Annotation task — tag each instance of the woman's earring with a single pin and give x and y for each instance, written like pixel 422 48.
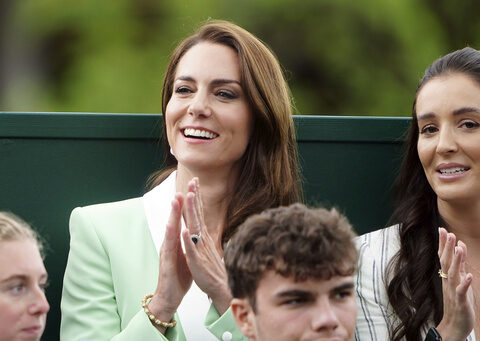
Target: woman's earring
pixel 171 151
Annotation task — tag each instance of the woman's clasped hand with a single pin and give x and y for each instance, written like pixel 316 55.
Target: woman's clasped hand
pixel 201 261
pixel 204 258
pixel 174 277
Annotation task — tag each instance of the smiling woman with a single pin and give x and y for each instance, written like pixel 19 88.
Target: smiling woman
pixel 23 306
pixel 208 117
pixel 415 279
pixel 227 125
pixel 448 111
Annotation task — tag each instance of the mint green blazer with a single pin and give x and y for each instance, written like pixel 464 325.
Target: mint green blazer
pixel 111 265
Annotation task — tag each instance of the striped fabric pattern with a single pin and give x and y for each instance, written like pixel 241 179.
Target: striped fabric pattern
pixel 375 316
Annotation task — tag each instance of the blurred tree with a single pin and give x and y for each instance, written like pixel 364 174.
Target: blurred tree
pixel 459 21
pixel 340 57
pixel 350 58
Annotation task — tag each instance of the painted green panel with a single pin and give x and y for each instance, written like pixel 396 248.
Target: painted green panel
pixel 53 162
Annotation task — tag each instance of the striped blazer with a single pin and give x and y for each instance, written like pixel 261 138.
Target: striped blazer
pixel 375 316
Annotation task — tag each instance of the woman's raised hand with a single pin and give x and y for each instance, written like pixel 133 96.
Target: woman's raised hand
pixel 203 258
pixel 458 302
pixel 174 277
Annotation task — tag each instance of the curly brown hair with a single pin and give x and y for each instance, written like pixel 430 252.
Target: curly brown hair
pixel 294 241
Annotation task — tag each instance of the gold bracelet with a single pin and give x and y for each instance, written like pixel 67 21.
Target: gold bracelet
pixel 152 317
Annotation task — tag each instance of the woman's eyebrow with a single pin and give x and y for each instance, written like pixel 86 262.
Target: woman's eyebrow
pixel 217 81
pixel 13 277
pixel 185 78
pixel 426 116
pixel 220 81
pixel 456 112
pixel 466 110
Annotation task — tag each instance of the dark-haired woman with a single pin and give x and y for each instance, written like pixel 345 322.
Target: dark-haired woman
pixel 229 128
pixel 417 281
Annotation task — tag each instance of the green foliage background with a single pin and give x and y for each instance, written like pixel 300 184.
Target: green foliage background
pixel 341 57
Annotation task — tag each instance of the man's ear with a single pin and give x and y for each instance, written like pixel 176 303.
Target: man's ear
pixel 244 317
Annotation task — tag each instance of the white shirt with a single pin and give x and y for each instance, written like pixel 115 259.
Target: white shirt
pixel 195 304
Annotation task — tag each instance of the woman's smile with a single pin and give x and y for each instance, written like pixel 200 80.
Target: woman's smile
pixel 199 133
pixel 451 171
pixel 448 112
pixel 208 117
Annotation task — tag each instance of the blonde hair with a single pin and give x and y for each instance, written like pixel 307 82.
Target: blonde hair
pixel 14 228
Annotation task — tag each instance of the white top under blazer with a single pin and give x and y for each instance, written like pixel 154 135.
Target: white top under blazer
pixel 195 303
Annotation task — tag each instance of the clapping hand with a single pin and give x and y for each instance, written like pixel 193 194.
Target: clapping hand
pixel 458 302
pixel 203 257
pixel 174 277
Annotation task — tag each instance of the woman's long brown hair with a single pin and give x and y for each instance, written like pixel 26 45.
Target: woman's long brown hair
pixel 415 290
pixel 269 175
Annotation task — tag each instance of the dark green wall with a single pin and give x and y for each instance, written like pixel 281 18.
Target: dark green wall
pixel 53 162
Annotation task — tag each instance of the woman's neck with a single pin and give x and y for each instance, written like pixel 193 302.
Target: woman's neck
pixel 216 188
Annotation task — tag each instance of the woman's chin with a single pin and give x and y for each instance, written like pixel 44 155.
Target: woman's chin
pixel 457 197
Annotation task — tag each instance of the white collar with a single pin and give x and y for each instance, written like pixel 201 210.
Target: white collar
pixel 195 304
pixel 157 204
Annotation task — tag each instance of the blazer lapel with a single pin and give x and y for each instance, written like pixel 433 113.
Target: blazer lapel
pixel 157 205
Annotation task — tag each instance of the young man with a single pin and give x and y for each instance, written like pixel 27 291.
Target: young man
pixel 290 270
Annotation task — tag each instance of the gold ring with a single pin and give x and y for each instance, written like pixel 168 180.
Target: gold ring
pixel 442 274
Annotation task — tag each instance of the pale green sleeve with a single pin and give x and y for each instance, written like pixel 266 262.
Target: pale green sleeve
pixel 89 309
pixel 219 325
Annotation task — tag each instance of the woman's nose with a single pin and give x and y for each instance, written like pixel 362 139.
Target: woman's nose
pixel 446 141
pixel 199 105
pixel 40 304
